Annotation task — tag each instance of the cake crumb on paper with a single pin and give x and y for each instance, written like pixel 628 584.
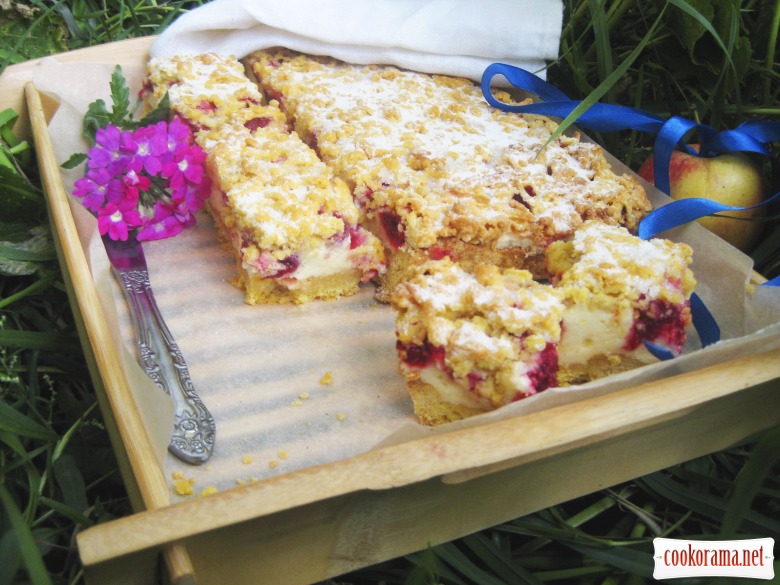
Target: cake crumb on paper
pixel 183 486
pixel 210 490
pixel 246 481
pixel 327 378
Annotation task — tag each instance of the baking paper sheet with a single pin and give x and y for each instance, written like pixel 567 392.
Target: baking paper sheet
pixel 263 370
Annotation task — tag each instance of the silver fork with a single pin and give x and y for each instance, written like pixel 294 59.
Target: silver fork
pixel 194 428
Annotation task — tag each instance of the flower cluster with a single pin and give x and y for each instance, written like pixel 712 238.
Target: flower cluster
pixel 150 181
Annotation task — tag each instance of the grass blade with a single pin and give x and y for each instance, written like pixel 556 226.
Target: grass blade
pixel 499 561
pixel 15 422
pixel 31 555
pixel 40 340
pixel 632 561
pixel 749 480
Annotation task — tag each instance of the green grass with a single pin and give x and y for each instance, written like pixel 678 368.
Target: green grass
pixel 58 474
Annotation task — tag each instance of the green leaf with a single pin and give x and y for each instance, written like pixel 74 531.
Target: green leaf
pixel 13 421
pixel 687 29
pixel 606 85
pixel 499 560
pixel 161 112
pixel 632 561
pixel 18 258
pixel 27 38
pixel 707 505
pixel 67 511
pixel 450 554
pixel 74 160
pixel 9 556
pixel 96 117
pixel 120 97
pixel 18 198
pixel 71 483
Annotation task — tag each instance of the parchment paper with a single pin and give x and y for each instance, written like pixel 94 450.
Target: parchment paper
pixel 260 369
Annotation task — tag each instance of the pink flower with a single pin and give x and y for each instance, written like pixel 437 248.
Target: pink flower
pixel 97 186
pixel 186 167
pixel 134 183
pixel 128 172
pixel 179 136
pixel 162 225
pixel 116 219
pixel 151 143
pixel 109 151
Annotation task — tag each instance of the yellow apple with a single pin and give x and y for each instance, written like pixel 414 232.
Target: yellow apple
pixel 732 179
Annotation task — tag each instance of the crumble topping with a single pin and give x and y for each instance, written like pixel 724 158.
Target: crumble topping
pixel 205 89
pixel 278 190
pixel 486 329
pixel 280 206
pixel 433 152
pixel 608 260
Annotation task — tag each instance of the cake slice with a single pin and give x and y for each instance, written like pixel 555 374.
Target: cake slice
pixel 620 291
pixel 437 172
pixel 291 224
pixel 471 342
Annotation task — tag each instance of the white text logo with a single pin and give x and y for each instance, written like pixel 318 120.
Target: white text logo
pixel 722 558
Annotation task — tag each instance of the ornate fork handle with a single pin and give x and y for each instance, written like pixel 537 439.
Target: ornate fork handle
pixel 194 427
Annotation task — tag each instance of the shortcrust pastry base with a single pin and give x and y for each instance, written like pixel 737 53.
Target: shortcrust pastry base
pixel 431 410
pixel 258 290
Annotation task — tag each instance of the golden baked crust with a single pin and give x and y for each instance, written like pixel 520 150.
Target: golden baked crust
pixel 491 333
pixel 472 341
pixel 428 152
pixel 206 89
pixel 292 224
pixel 630 291
pixel 610 261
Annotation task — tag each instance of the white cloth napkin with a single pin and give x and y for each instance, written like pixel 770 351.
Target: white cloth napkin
pixel 453 37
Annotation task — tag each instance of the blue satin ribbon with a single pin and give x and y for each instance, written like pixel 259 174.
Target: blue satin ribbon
pixel 750 136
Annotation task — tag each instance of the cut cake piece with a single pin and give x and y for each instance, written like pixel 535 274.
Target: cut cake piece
pixel 470 343
pixel 436 171
pixel 619 291
pixel 291 224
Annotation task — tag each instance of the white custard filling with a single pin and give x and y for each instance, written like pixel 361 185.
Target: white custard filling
pixel 449 391
pixel 325 260
pixel 589 332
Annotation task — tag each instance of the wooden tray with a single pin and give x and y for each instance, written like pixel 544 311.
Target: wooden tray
pixel 322 521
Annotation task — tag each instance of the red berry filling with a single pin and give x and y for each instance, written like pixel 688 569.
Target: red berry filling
pixel 420 356
pixel 255 123
pixel 290 265
pixel 544 374
pixel 661 322
pixel 269 267
pixel 437 253
pixel 521 199
pixel 275 95
pixel 391 228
